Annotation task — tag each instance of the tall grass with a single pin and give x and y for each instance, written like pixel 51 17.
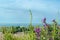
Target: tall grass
pixel 42 33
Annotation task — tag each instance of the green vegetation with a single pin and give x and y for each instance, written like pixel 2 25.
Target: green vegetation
pixel 32 33
pixel 46 32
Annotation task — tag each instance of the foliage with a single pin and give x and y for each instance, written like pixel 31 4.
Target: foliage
pixel 47 32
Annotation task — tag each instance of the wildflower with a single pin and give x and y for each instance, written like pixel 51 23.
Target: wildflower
pixel 44 20
pixel 37 31
pixel 44 23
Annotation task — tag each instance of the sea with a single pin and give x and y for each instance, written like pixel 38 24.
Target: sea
pixel 22 24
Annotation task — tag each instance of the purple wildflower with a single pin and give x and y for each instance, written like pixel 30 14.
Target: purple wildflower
pixel 44 20
pixel 45 24
pixel 37 31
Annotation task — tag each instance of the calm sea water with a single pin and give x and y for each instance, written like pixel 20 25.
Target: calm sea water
pixel 19 24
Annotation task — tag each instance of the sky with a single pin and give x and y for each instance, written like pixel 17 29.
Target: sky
pixel 17 11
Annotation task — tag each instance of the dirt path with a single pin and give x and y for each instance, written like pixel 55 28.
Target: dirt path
pixel 19 34
pixel 1 36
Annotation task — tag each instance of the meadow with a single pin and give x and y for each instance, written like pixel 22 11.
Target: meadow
pixel 45 32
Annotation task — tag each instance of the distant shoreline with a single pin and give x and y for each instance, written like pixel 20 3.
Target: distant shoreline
pixel 22 24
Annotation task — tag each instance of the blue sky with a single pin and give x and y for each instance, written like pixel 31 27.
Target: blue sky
pixel 17 11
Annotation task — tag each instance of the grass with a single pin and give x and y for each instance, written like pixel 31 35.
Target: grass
pixel 46 33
